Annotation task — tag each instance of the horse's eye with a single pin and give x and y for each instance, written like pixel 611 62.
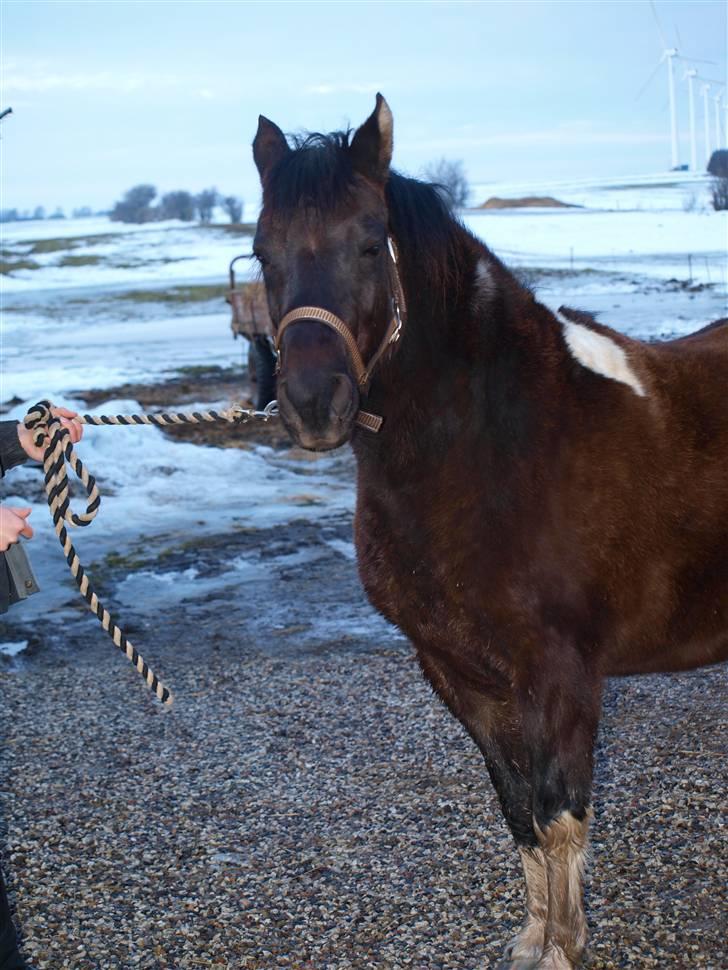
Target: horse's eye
pixel 260 257
pixel 372 250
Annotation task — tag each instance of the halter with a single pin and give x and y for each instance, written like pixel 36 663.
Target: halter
pixel 362 372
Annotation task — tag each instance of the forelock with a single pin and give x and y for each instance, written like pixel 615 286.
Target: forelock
pixel 317 174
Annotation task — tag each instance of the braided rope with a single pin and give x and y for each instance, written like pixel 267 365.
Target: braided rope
pixel 50 434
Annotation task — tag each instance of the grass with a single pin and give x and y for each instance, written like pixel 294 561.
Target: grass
pixel 118 560
pixel 8 266
pixel 235 229
pixel 81 260
pixel 175 294
pixel 40 246
pixel 561 272
pixel 640 185
pixel 206 370
pixel 137 263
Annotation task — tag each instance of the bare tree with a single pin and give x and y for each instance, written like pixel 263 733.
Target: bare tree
pixel 719 194
pixel 449 177
pixel 205 202
pixel 718 164
pixel 178 205
pixel 135 205
pixel 233 206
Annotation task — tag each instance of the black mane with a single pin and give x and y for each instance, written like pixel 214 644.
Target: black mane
pixel 318 174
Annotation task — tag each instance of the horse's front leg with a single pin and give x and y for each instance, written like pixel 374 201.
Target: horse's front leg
pixel 560 721
pixel 526 948
pixel 495 724
pixel 563 844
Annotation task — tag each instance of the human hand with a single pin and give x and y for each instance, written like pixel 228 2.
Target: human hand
pixel 13 525
pixel 69 419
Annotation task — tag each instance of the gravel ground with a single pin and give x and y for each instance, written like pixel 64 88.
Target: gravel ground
pixel 318 808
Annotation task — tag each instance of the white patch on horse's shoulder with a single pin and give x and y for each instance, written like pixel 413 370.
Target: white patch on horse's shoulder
pixel 485 285
pixel 600 354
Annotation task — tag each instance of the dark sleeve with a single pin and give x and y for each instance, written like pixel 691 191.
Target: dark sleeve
pixel 11 453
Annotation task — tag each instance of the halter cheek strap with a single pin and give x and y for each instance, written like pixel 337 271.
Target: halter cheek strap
pixel 362 371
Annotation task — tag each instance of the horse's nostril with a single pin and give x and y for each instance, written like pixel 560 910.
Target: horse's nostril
pixel 342 396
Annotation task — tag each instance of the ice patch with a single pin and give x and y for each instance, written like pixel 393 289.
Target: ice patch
pixel 346 549
pixel 11 648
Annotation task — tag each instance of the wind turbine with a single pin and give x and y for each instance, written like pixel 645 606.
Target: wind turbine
pixel 669 55
pixel 706 119
pixel 716 104
pixel 690 74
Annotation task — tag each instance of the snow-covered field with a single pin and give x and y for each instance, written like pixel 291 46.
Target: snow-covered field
pixel 68 323
pixel 96 252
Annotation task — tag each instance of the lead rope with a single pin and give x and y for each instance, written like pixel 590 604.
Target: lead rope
pixel 49 433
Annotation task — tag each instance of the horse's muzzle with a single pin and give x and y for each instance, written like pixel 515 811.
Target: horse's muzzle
pixel 318 410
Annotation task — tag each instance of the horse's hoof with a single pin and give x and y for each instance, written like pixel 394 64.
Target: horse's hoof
pixel 518 964
pixel 554 958
pixel 525 949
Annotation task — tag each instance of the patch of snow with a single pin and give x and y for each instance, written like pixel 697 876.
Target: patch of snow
pixel 662 190
pixel 11 648
pixel 650 244
pixel 344 548
pixel 140 255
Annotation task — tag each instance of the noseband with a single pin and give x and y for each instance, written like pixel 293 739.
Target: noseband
pixel 362 371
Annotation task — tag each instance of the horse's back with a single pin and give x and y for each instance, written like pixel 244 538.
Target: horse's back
pixel 691 372
pixel 713 335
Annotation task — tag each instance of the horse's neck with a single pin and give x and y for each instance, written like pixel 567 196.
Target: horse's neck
pixel 464 371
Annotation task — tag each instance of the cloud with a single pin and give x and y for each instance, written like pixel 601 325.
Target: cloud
pixel 572 134
pixel 349 88
pixel 38 79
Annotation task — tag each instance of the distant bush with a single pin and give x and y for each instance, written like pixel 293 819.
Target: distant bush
pixel 450 178
pixel 177 205
pixel 719 194
pixel 718 164
pixel 206 202
pixel 233 206
pixel 136 205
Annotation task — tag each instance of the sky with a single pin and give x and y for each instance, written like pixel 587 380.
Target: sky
pixel 109 94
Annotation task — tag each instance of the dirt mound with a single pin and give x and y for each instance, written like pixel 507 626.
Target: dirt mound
pixel 527 202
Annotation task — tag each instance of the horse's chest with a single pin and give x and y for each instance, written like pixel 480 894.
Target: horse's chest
pixel 419 570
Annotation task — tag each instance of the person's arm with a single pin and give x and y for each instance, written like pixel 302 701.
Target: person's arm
pixel 16 441
pixel 11 450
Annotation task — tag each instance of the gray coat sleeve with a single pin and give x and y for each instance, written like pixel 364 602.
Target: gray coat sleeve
pixel 11 453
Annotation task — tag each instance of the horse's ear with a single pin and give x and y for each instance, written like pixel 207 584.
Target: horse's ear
pixel 269 147
pixel 371 146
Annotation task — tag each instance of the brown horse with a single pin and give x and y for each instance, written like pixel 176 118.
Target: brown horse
pixel 542 502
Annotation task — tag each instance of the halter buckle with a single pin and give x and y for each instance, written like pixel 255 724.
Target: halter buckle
pixel 397 332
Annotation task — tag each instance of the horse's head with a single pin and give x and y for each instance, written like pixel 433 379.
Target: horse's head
pixel 322 241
